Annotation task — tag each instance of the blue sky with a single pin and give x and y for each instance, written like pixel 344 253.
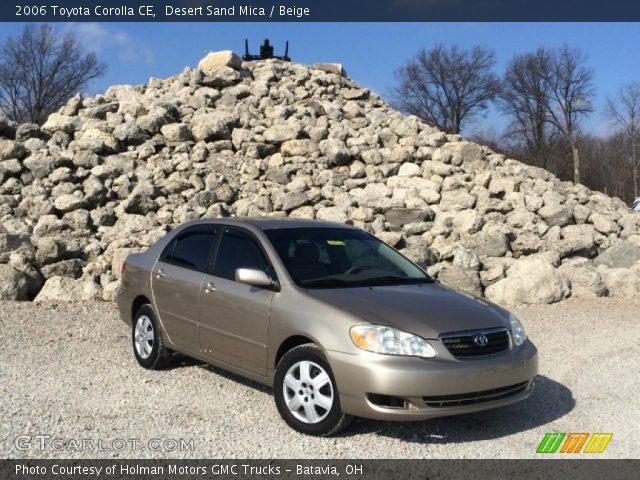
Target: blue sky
pixel 369 52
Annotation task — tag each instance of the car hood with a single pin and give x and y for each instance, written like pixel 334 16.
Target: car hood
pixel 426 310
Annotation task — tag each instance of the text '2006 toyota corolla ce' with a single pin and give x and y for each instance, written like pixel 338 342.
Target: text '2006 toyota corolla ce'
pixel 338 322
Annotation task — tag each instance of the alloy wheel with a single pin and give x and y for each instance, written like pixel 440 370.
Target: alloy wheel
pixel 144 337
pixel 308 392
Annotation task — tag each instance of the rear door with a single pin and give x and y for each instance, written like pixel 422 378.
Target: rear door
pixel 234 317
pixel 176 280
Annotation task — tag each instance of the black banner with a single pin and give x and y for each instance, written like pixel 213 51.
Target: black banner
pixel 317 10
pixel 581 469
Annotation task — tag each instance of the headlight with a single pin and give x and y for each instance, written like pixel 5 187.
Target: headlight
pixel 389 341
pixel 517 330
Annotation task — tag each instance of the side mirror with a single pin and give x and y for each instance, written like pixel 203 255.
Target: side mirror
pixel 256 278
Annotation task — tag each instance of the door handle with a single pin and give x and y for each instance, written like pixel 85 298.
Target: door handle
pixel 209 287
pixel 160 274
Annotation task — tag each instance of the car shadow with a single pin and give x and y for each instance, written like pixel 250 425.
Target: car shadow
pixel 182 361
pixel 549 401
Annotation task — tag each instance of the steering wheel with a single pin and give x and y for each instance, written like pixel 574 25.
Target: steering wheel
pixel 357 269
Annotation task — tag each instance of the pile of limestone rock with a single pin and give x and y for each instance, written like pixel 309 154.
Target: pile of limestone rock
pixel 109 175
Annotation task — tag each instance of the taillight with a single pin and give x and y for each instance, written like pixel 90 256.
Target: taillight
pixel 124 267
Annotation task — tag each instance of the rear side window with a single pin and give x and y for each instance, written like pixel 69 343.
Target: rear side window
pixel 191 249
pixel 238 250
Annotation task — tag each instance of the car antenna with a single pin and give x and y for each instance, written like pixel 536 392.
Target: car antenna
pixel 266 52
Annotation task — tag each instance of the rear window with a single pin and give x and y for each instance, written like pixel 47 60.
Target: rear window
pixel 191 249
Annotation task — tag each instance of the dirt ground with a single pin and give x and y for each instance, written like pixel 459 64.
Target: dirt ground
pixel 67 371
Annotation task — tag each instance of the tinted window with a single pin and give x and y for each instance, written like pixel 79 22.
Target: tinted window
pixel 238 250
pixel 191 249
pixel 340 257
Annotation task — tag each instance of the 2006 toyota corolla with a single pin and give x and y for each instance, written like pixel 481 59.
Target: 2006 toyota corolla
pixel 338 322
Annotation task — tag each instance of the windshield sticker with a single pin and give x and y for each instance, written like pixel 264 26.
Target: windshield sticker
pixel 336 243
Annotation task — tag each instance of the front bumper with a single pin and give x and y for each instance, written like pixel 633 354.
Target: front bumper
pixel 463 386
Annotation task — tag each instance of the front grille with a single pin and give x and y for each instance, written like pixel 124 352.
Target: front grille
pixel 464 344
pixel 461 399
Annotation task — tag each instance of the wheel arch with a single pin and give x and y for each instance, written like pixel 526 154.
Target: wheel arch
pixel 138 302
pixel 290 343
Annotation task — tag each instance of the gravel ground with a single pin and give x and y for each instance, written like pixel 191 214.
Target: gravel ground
pixel 68 371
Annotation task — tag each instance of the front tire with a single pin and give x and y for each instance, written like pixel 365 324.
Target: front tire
pixel 148 346
pixel 305 393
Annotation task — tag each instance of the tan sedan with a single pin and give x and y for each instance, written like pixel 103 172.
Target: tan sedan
pixel 337 322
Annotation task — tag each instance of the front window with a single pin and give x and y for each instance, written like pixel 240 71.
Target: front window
pixel 238 250
pixel 341 257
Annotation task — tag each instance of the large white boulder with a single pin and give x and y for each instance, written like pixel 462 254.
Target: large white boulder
pixel 529 281
pixel 65 289
pixel 217 60
pixel 621 282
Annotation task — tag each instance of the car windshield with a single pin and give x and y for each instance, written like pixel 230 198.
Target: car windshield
pixel 341 257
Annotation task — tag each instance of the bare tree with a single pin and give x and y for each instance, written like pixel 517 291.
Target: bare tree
pixel 446 87
pixel 524 98
pixel 624 112
pixel 488 137
pixel 611 177
pixel 570 84
pixel 40 70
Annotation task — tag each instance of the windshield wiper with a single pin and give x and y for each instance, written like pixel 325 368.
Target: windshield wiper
pixel 395 280
pixel 326 282
pixel 373 281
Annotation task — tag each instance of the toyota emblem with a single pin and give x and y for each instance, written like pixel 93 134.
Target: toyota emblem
pixel 481 340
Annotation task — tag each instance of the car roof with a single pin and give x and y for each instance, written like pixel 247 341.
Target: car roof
pixel 272 223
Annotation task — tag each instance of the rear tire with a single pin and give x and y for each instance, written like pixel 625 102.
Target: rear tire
pixel 305 393
pixel 148 346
